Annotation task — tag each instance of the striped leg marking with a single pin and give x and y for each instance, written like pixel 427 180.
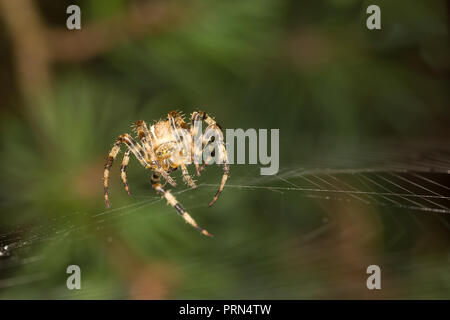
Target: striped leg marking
pixel 137 150
pixel 109 161
pixel 134 147
pixel 211 151
pixel 187 178
pixel 226 171
pixel 196 152
pixel 175 204
pixel 176 122
pixel 212 125
pixel 123 170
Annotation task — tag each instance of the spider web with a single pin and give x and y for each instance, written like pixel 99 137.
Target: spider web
pixel 418 185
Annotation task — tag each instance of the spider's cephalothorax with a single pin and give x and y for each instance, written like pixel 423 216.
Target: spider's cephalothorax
pixel 167 145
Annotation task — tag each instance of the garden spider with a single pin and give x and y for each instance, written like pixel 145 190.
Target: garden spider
pixel 170 144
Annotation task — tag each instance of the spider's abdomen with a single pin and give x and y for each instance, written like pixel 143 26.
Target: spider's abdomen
pixel 161 132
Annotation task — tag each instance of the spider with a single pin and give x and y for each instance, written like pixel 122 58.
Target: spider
pixel 169 144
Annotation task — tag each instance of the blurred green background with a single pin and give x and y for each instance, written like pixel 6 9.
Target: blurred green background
pixel 310 68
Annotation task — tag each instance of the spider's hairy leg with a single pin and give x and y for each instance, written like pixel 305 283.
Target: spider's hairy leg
pixel 176 120
pixel 133 147
pixel 136 148
pixel 181 133
pixel 208 148
pixel 226 171
pixel 147 141
pixel 196 152
pixel 123 170
pixel 186 177
pixel 145 137
pixel 175 204
pixel 109 161
pixel 214 127
pixel 211 154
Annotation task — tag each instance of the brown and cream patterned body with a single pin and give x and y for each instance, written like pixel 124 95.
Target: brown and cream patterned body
pixel 165 146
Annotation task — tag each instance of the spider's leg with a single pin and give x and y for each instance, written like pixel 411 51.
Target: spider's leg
pixel 136 148
pixel 212 125
pixel 186 177
pixel 174 203
pixel 176 122
pixel 176 118
pixel 196 152
pixel 198 155
pixel 133 147
pixel 211 154
pixel 112 155
pixel 147 142
pixel 123 170
pixel 226 170
pixel 208 146
pixel 181 133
